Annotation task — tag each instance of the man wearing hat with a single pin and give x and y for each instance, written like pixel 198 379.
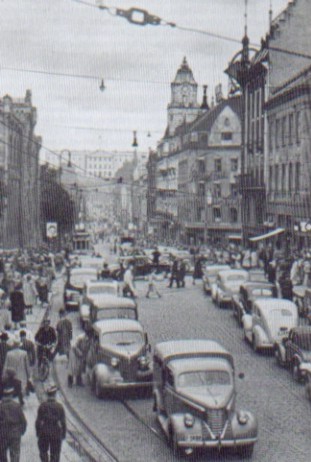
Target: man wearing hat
pixel 4 348
pixel 13 425
pixel 50 427
pixel 64 334
pixel 17 359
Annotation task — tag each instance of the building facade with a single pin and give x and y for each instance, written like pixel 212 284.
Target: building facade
pixel 19 165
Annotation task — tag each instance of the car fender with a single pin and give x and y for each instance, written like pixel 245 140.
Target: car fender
pixel 247 430
pixel 282 350
pixel 247 321
pixel 176 423
pixel 260 335
pixel 103 373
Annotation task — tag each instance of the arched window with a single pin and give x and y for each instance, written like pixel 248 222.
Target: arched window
pixel 233 215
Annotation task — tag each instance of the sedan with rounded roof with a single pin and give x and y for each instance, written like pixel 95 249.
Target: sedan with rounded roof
pixel 210 273
pixel 228 284
pixel 194 397
pixel 76 279
pixel 119 356
pixel 269 322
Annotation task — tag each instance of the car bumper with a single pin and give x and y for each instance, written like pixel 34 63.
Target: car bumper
pixel 144 379
pixel 217 443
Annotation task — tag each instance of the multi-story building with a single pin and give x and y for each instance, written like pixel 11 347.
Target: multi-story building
pixel 209 162
pixel 275 85
pixel 19 164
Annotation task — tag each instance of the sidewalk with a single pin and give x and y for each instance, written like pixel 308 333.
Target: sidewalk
pixel 29 448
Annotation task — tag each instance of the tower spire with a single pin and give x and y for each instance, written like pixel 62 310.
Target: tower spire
pixel 245 18
pixel 270 14
pixel 204 104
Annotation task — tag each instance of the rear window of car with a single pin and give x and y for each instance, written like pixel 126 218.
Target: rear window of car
pixel 102 290
pixel 262 292
pixel 281 312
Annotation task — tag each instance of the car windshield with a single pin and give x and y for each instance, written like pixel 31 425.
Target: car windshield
pixel 304 341
pixel 235 277
pixel 203 378
pixel 262 293
pixel 122 338
pixel 98 290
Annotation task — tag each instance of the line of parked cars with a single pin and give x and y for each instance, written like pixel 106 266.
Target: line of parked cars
pixel 269 323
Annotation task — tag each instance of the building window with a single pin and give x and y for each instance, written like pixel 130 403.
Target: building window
pixel 297 127
pixel 233 190
pixel 226 136
pixel 217 213
pixel 201 189
pixel 297 180
pixel 234 164
pixel 284 131
pixel 201 166
pixel 276 178
pixel 203 138
pixel 270 128
pixel 290 178
pixel 233 215
pixel 217 190
pixel 271 178
pixel 277 132
pixel 283 181
pixel 217 163
pixel 290 128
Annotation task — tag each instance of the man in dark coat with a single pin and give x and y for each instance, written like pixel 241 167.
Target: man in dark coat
pixel 4 348
pixel 13 425
pixel 17 305
pixel 11 381
pixel 50 427
pixel 64 334
pixel 174 274
pixel 45 337
pixel 29 347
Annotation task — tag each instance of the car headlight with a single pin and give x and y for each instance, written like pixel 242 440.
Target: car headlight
pixel 189 420
pixel 114 362
pixel 242 418
pixel 143 362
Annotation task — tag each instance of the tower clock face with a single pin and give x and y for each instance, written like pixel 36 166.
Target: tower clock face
pixel 185 90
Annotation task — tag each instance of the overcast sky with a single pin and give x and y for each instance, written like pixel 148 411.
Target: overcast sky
pixel 137 63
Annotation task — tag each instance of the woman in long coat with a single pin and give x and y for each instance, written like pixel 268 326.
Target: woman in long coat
pixel 17 305
pixel 30 293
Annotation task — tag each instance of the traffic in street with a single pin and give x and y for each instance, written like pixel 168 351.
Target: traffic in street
pixel 126 422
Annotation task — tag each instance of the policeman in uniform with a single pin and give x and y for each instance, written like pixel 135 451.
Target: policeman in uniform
pixel 50 427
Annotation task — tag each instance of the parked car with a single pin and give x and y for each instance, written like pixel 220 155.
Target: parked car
pixel 305 369
pixel 194 397
pixel 74 286
pixel 294 351
pixel 93 292
pixel 119 356
pixel 249 292
pixel 228 284
pixel 269 322
pixel 210 273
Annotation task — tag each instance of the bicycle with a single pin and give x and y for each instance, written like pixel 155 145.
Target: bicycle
pixel 46 358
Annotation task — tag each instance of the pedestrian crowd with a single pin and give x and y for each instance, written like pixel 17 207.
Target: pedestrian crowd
pixel 25 282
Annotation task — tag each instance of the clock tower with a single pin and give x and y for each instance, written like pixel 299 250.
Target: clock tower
pixel 183 106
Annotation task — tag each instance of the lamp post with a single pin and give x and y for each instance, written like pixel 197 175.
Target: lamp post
pixel 64 151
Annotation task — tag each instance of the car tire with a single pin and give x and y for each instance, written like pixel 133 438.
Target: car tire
pixel 308 391
pixel 246 452
pixel 173 443
pixel 295 371
pixel 97 389
pixel 278 357
pixel 254 344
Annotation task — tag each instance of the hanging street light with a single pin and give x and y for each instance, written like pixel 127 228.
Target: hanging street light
pixel 102 85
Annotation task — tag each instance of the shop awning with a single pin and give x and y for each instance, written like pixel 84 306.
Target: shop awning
pixel 235 237
pixel 273 233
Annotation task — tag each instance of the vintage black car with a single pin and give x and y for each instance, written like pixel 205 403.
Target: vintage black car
pixel 194 393
pixel 143 266
pixel 294 351
pixel 250 291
